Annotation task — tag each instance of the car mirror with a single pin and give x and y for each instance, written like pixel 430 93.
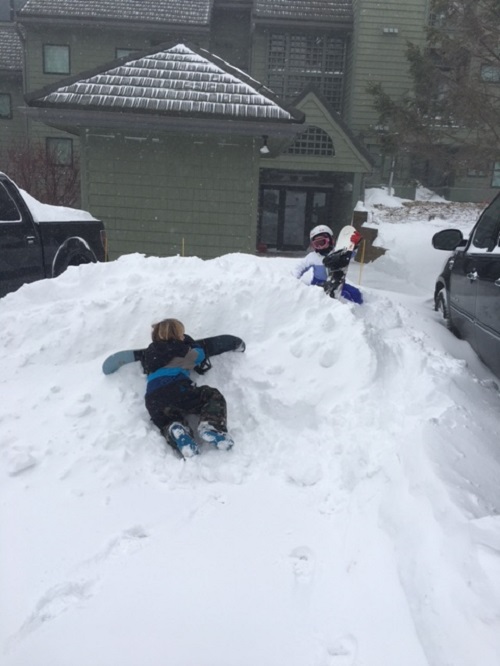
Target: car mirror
pixel 448 239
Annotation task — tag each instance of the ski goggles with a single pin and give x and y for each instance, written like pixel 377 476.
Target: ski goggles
pixel 321 242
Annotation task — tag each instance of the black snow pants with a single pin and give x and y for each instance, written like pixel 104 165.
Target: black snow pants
pixel 176 401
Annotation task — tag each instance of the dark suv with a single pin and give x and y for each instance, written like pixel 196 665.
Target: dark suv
pixel 468 289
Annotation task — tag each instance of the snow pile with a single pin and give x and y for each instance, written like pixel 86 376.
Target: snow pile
pixel 356 521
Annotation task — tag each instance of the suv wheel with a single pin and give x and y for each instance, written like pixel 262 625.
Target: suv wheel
pixel 441 305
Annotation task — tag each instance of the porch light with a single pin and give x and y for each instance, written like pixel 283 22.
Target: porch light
pixel 264 150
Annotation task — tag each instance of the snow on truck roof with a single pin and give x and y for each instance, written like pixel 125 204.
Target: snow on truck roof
pixel 42 212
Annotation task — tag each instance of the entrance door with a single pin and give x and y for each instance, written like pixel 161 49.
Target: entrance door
pixel 289 213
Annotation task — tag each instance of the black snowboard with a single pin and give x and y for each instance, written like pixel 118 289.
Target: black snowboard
pixel 213 346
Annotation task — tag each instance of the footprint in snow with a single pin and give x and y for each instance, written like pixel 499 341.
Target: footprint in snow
pixel 340 652
pixel 54 602
pixel 303 564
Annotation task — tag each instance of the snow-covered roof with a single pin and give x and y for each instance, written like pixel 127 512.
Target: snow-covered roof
pixel 179 81
pixel 190 12
pixel 324 10
pixel 11 52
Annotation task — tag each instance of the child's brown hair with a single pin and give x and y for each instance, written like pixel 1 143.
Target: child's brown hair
pixel 168 329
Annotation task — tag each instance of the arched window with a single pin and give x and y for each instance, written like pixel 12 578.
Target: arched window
pixel 313 141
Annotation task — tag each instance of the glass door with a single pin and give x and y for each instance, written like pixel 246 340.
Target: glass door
pixel 292 236
pixel 287 214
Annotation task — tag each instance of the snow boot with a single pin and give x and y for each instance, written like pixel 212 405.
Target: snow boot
pixel 179 436
pixel 221 440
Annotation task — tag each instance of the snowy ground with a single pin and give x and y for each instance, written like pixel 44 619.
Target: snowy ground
pixel 355 523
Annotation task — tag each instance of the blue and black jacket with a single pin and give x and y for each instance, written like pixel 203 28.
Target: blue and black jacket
pixel 168 362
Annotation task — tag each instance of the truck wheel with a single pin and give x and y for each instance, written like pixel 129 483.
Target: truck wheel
pixel 75 260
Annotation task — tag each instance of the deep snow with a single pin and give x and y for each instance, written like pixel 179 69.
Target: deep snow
pixel 356 521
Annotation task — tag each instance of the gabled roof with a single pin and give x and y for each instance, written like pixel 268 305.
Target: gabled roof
pixel 322 10
pixel 311 99
pixel 183 12
pixel 11 51
pixel 180 81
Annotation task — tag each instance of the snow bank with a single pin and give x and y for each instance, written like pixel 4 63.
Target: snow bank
pixel 356 521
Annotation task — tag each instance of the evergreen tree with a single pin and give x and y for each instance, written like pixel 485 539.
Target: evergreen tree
pixel 450 118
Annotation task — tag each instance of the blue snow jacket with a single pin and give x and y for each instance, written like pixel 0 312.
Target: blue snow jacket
pixel 171 361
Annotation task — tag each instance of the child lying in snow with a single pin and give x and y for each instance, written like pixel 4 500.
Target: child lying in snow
pixel 171 395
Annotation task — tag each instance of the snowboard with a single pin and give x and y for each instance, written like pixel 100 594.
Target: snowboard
pixel 337 262
pixel 212 346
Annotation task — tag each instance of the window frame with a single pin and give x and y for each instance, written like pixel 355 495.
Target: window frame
pixel 45 56
pixel 493 69
pixel 487 231
pixel 54 151
pixel 298 59
pixel 314 142
pixel 3 189
pixel 8 96
pixel 495 175
pixel 129 51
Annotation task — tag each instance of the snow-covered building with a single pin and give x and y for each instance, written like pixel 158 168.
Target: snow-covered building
pixel 170 144
pixel 310 58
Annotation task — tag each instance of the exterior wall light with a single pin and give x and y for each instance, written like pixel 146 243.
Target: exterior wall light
pixel 264 150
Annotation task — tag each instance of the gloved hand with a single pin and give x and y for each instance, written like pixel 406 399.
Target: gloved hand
pixel 356 238
pixel 337 260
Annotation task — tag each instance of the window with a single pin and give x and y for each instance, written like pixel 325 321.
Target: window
pixel 490 73
pixel 495 181
pixel 5 105
pixel 437 19
pixel 481 172
pixel 313 141
pixel 60 150
pixel 121 53
pixel 8 208
pixel 298 60
pixel 56 59
pixel 488 227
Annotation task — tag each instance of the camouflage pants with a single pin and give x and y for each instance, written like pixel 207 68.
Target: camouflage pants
pixel 206 402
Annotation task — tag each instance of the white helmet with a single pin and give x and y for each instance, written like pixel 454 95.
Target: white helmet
pixel 320 229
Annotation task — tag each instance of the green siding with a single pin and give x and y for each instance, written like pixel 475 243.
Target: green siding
pixel 12 130
pixel 230 37
pixel 89 48
pixel 259 67
pixel 152 194
pixel 379 57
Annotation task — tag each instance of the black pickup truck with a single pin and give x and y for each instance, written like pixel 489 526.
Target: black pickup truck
pixel 39 241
